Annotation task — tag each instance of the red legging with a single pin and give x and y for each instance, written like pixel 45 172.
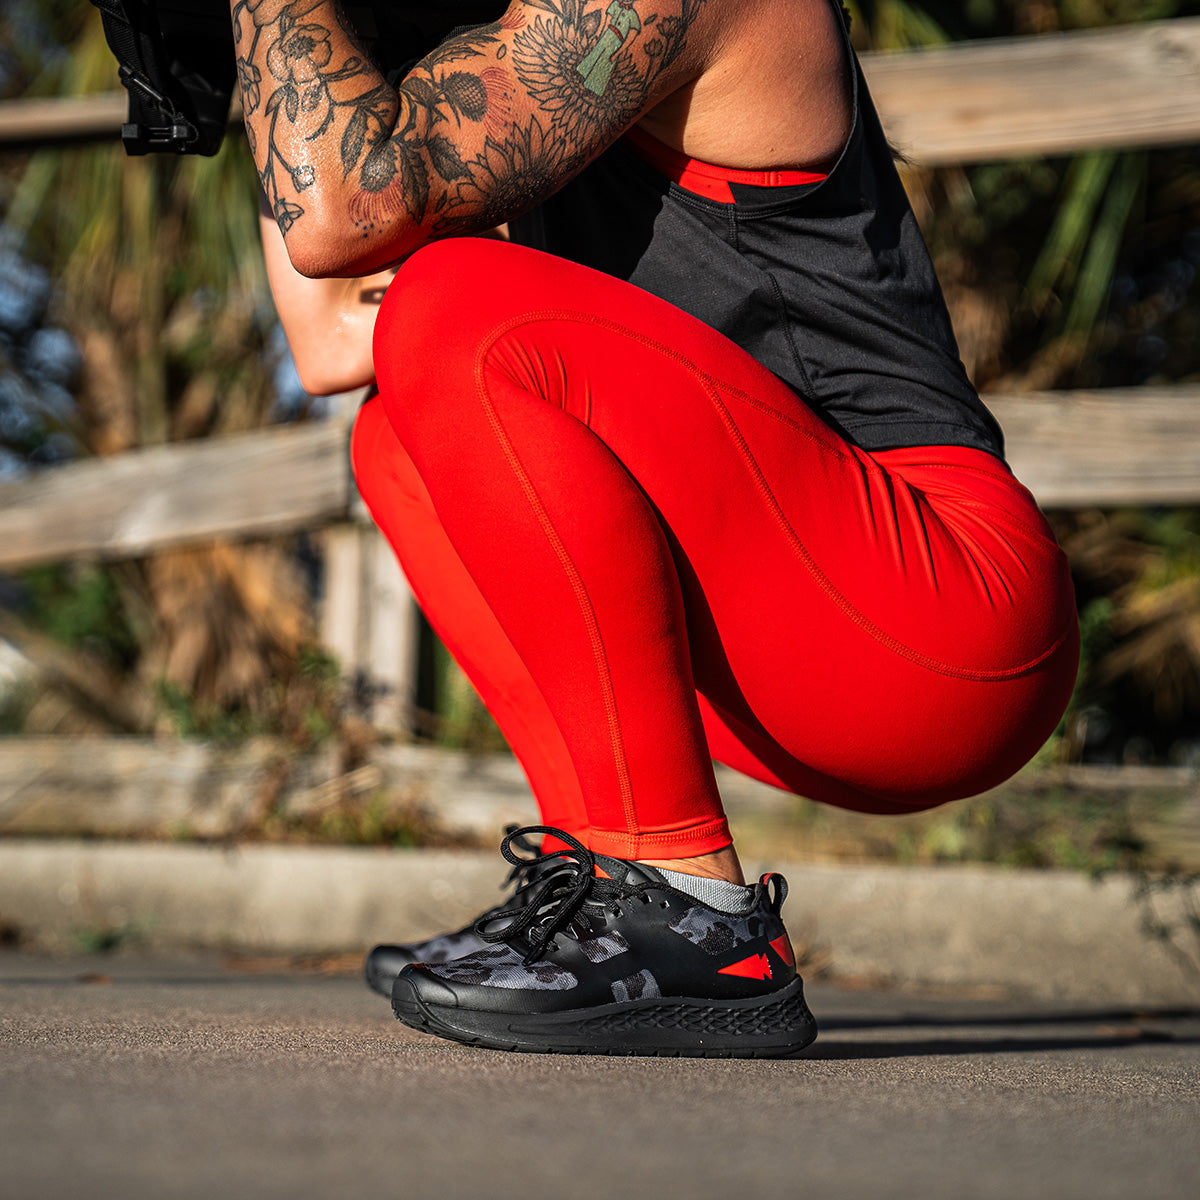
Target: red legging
pixel 606 508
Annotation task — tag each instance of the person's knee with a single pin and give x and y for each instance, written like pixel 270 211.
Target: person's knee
pixel 459 283
pixel 420 303
pixel 432 320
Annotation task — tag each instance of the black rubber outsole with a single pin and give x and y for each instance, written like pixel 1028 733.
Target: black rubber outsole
pixel 773 1026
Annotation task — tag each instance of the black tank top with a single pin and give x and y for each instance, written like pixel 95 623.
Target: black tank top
pixel 827 284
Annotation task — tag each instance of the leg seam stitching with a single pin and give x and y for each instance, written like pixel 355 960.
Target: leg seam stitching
pixel 592 626
pixel 709 386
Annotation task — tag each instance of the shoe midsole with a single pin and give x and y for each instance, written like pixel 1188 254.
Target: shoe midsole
pixel 666 1021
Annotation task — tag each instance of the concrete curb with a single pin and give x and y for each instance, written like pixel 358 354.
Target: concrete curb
pixel 1051 934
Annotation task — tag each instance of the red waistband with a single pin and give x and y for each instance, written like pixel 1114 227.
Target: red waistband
pixel 707 179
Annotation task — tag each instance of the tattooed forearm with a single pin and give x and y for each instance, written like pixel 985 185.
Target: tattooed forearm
pixel 481 129
pixel 287 50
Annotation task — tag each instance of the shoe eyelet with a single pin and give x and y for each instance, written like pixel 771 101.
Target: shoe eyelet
pixel 664 904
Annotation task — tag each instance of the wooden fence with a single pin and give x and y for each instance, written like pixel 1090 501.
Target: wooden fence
pixel 1058 94
pixel 1136 85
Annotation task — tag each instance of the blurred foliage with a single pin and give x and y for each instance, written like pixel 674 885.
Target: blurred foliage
pixel 158 276
pixel 16 700
pixel 80 605
pixel 107 938
pixel 1137 575
pixel 1177 932
pixel 449 710
pixel 904 24
pixel 305 707
pixel 374 818
pixel 158 270
pixel 1046 828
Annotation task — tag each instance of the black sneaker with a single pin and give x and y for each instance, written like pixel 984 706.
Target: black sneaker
pixel 385 962
pixel 619 965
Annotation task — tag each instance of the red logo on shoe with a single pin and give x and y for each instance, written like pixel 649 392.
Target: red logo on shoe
pixel 754 967
pixel 783 948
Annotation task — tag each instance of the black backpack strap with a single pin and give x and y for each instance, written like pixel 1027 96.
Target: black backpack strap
pixel 178 70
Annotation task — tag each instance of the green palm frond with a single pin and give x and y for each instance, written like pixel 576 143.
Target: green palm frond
pixel 1079 257
pixel 895 24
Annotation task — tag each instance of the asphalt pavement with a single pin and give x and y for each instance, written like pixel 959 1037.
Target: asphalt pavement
pixel 137 1078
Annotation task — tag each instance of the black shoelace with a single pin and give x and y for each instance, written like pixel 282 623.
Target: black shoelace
pixel 555 907
pixel 525 873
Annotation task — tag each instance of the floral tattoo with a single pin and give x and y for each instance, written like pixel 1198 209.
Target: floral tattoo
pixel 480 130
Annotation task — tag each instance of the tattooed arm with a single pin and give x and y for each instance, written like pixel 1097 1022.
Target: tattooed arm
pixel 358 174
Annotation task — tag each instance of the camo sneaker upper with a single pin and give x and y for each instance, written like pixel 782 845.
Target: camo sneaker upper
pixel 583 939
pixel 385 962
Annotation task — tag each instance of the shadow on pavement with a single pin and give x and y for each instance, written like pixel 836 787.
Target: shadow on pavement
pixel 1124 1016
pixel 101 978
pixel 1005 1032
pixel 834 1050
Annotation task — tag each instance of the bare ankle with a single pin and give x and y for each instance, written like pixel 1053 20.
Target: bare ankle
pixel 721 864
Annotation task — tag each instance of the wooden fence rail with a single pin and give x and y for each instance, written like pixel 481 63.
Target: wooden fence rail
pixel 1073 449
pixel 272 481
pixel 1133 85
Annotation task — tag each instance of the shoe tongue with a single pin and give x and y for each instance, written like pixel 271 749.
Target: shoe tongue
pixel 620 870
